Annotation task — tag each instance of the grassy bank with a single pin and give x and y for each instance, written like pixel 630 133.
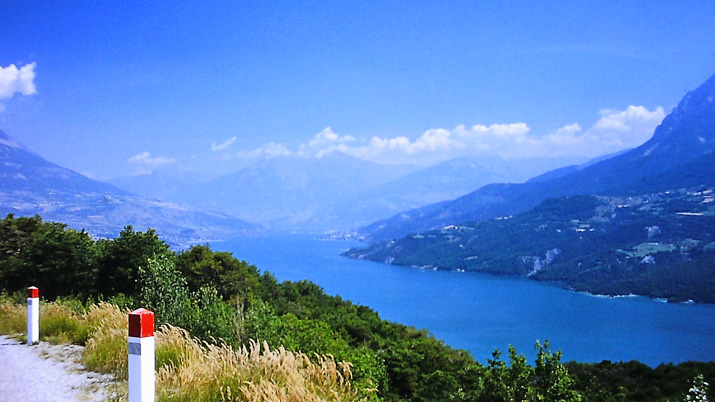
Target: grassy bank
pixel 187 369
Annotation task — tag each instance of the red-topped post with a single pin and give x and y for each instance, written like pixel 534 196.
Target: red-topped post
pixel 141 356
pixel 33 315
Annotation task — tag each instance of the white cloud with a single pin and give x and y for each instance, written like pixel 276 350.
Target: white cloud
pixel 436 145
pixel 320 145
pixel 324 143
pixel 627 128
pixel 615 130
pixel 146 159
pixel 566 136
pixel 14 80
pixel 327 138
pixel 220 147
pixel 272 149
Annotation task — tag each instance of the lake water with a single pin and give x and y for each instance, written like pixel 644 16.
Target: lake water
pixel 480 312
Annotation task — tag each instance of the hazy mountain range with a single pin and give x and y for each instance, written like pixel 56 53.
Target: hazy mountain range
pixel 680 154
pixel 341 193
pixel 31 185
pixel 334 193
pixel 641 222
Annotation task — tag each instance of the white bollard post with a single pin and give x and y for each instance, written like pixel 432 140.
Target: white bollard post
pixel 33 315
pixel 141 356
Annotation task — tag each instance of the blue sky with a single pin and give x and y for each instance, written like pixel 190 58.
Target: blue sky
pixel 113 89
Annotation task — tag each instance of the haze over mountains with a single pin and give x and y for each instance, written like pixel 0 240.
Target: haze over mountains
pixel 641 222
pixel 680 154
pixel 334 193
pixel 31 185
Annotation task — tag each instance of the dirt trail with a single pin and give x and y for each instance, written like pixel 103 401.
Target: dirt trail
pixel 47 373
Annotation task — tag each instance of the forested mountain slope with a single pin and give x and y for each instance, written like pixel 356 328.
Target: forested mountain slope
pixel 660 245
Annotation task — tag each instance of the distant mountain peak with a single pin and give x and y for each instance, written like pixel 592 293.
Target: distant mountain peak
pixel 692 121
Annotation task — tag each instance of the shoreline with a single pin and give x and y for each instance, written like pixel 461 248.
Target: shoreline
pixel 564 285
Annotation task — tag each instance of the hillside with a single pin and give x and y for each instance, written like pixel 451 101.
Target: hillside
pixel 684 136
pixel 659 245
pixel 31 185
pixel 638 223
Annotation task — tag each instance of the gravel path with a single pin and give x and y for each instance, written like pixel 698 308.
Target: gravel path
pixel 45 372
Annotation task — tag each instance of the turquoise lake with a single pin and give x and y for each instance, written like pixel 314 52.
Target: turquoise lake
pixel 480 312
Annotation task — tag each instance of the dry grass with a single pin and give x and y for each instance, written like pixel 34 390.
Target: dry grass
pixel 255 373
pixel 101 327
pixel 60 322
pixel 13 319
pixel 107 346
pixel 63 323
pixel 188 370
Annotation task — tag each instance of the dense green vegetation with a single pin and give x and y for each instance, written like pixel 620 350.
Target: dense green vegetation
pixel 659 245
pixel 214 295
pixel 634 381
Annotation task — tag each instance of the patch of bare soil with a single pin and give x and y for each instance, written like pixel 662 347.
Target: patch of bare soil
pixel 46 372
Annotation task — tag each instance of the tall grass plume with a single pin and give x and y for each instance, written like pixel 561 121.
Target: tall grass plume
pixel 208 372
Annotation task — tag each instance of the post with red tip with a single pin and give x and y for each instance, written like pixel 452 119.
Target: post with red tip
pixel 33 315
pixel 141 356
